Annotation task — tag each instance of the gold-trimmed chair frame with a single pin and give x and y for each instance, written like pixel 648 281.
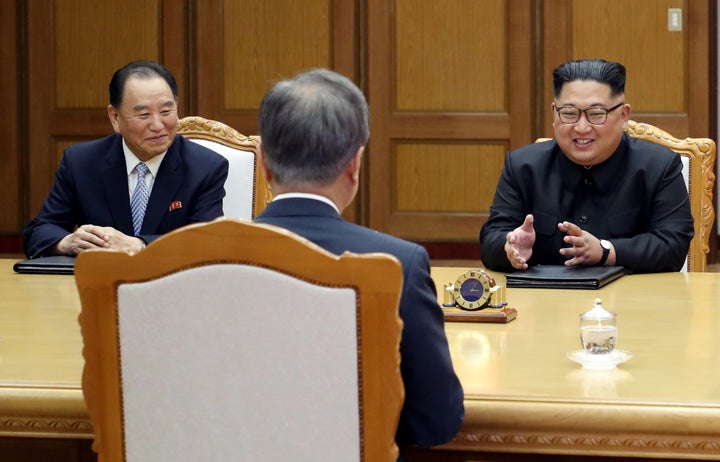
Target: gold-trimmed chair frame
pixel 196 127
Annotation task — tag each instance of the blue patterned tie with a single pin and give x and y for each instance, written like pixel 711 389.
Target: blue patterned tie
pixel 140 197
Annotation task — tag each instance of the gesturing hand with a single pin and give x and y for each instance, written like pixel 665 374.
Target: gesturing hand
pixel 519 243
pixel 585 248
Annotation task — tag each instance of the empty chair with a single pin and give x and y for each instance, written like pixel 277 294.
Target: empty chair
pixel 245 187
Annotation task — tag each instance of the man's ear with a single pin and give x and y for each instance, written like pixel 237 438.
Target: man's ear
pixel 113 115
pixel 626 110
pixel 356 163
pixel 263 163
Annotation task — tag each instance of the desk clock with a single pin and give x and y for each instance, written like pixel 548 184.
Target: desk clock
pixel 472 290
pixel 475 297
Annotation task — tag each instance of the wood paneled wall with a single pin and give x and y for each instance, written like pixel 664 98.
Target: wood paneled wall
pixel 244 46
pixel 241 47
pixel 668 71
pixel 452 85
pixel 450 93
pixel 11 171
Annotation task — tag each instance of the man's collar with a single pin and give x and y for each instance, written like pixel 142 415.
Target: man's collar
pixel 603 175
pixel 299 195
pixel 131 160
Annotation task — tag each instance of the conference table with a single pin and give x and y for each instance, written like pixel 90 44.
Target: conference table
pixel 42 410
pixel 524 399
pixel 523 395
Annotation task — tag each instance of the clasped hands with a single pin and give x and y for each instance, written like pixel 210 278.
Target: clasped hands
pixel 87 237
pixel 584 248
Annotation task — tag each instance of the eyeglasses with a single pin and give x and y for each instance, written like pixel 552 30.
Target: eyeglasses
pixel 594 115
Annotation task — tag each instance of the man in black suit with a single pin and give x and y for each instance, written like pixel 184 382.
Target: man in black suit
pixel 89 205
pixel 593 195
pixel 314 128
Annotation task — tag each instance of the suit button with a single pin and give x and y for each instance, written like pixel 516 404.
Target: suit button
pixel 583 219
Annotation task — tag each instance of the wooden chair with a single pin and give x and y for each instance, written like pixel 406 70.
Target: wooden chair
pixel 698 158
pixel 238 341
pixel 246 190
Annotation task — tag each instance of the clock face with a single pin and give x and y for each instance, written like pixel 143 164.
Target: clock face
pixel 472 290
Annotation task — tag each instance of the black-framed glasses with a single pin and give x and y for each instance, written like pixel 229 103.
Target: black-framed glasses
pixel 594 115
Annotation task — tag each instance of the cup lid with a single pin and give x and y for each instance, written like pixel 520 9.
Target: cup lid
pixel 597 311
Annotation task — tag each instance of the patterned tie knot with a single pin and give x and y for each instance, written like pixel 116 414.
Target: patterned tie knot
pixel 141 169
pixel 140 197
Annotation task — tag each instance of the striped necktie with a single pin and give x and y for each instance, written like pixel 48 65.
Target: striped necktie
pixel 140 197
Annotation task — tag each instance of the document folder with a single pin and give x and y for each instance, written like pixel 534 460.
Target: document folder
pixel 565 277
pixel 56 264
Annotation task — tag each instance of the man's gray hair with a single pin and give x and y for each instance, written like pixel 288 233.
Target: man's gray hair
pixel 311 126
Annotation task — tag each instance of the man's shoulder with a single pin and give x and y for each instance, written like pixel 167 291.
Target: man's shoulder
pixel 650 157
pixel 377 241
pixel 639 147
pixel 546 145
pixel 321 224
pixel 533 154
pixel 534 150
pixel 93 146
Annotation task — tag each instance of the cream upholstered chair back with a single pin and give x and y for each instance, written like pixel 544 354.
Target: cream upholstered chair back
pixel 698 159
pixel 246 192
pixel 238 341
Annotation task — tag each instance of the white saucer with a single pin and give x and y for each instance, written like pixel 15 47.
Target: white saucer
pixel 601 361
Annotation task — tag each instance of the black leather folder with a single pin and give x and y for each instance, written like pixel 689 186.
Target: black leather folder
pixel 565 277
pixel 56 264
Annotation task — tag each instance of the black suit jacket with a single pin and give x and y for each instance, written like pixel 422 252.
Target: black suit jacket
pixel 637 199
pixel 433 409
pixel 91 187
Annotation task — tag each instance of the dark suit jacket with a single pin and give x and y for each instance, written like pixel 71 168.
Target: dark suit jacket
pixel 637 199
pixel 91 187
pixel 433 409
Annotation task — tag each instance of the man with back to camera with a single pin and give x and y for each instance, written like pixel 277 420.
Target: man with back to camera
pixel 313 131
pixel 91 205
pixel 594 195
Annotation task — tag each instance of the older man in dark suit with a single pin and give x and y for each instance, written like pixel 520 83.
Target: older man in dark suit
pixel 125 190
pixel 314 128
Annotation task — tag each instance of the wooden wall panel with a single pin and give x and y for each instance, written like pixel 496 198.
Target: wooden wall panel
pixel 10 166
pixel 428 182
pixel 644 27
pixel 74 47
pixel 668 74
pixel 244 46
pixel 448 87
pixel 91 44
pixel 251 65
pixel 448 58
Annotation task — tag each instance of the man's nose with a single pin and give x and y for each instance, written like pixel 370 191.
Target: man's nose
pixel 583 124
pixel 156 121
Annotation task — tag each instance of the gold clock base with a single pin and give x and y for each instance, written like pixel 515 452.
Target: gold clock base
pixel 496 315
